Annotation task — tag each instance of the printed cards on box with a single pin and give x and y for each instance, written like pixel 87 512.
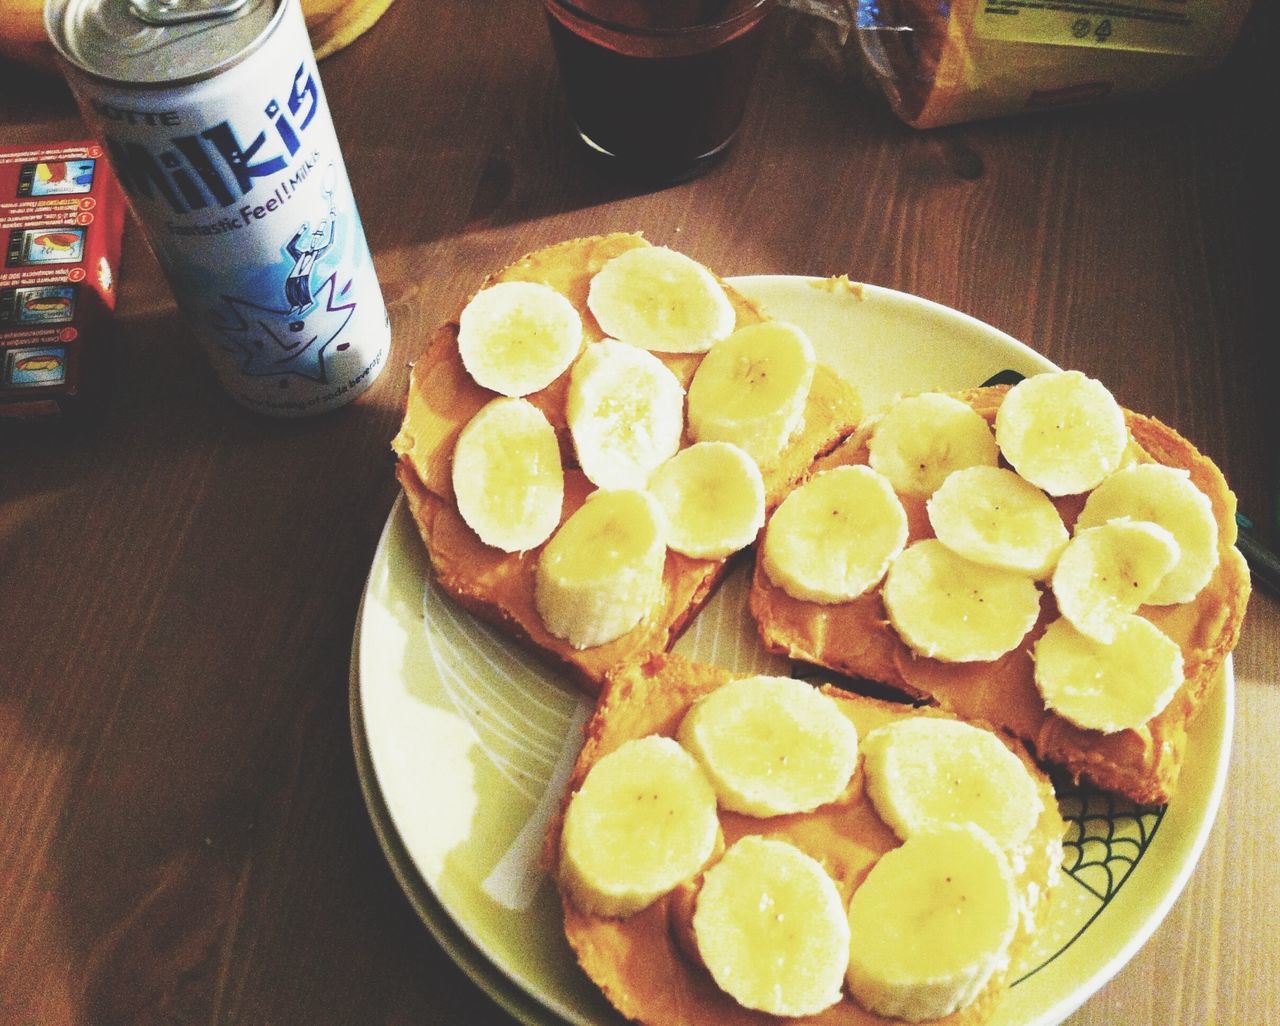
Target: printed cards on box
pixel 61 217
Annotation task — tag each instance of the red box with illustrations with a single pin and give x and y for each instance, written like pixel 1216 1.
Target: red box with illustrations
pixel 61 218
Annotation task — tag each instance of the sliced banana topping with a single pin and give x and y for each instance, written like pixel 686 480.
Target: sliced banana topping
pixel 713 496
pixel 771 745
pixel 751 388
pixel 1107 686
pixel 625 411
pixel 643 822
pixel 1108 571
pixel 658 299
pixel 922 439
pixel 601 572
pixel 1168 497
pixel 507 479
pixel 926 771
pixel 931 923
pixel 771 928
pixel 952 609
pixel 832 538
pixel 1062 431
pixel 994 517
pixel 517 337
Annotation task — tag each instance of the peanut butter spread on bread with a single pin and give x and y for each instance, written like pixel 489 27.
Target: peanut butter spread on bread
pixel 498 586
pixel 856 638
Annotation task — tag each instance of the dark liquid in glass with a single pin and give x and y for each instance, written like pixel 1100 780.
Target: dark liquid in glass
pixel 663 107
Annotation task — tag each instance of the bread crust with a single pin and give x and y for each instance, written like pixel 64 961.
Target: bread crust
pixel 644 964
pixel 856 638
pixel 497 586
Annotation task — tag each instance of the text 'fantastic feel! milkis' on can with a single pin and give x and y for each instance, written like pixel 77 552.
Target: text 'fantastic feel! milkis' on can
pixel 213 116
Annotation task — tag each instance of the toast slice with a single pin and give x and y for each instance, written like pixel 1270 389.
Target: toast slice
pixel 498 586
pixel 644 964
pixel 856 638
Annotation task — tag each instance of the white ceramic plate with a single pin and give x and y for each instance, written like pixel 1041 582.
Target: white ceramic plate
pixel 463 742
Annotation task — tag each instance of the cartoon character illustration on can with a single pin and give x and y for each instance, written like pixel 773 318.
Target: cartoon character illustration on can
pixel 220 134
pixel 306 247
pixel 299 333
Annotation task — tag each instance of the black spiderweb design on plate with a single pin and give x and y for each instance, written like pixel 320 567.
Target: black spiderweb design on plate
pixel 1106 838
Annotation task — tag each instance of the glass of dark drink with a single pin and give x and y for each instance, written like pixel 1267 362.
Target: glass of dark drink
pixel 657 88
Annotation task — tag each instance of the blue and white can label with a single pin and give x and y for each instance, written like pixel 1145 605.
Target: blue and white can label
pixel 240 184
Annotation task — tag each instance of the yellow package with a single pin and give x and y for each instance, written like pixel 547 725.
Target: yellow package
pixel 940 62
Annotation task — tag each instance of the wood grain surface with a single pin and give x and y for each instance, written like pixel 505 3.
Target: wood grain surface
pixel 182 834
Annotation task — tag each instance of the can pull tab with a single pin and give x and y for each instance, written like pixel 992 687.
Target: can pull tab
pixel 171 12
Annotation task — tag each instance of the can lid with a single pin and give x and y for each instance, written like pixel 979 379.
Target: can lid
pixel 157 42
pixel 170 12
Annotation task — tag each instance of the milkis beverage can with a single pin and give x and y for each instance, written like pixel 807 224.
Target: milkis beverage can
pixel 213 116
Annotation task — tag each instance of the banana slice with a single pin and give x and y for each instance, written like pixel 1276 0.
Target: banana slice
pixel 750 389
pixel 643 822
pixel 931 923
pixel 517 337
pixel 601 572
pixel 1108 686
pixel 713 496
pixel 921 439
pixel 625 411
pixel 658 299
pixel 832 538
pixel 952 609
pixel 1062 431
pixel 771 928
pixel 994 517
pixel 507 478
pixel 1108 571
pixel 771 745
pixel 1168 497
pixel 928 770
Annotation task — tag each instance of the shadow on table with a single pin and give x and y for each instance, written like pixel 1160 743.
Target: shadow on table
pixel 481 153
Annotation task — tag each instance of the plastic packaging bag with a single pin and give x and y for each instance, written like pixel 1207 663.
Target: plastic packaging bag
pixel 939 62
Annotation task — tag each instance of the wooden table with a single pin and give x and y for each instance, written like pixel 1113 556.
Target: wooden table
pixel 182 833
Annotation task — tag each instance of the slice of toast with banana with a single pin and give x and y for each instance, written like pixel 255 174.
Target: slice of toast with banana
pixel 539 442
pixel 1085 605
pixel 744 850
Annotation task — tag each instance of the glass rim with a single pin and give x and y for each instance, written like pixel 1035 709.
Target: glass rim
pixel 572 8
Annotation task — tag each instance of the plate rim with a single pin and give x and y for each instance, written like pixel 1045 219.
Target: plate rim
pixel 521 1005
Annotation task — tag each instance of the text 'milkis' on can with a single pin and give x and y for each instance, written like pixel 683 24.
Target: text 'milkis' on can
pixel 214 119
